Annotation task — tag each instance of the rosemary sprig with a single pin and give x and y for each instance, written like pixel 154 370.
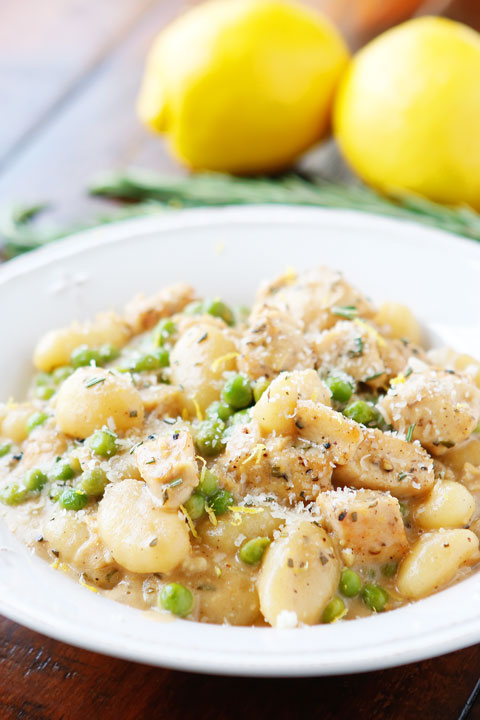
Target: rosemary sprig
pixel 212 189
pixel 148 193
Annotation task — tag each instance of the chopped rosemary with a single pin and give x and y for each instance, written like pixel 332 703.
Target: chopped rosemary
pixel 349 312
pixel 153 542
pixel 408 372
pixel 203 337
pixel 410 432
pixel 358 349
pixel 375 376
pixel 175 483
pixel 94 381
pixel 169 421
pixel 149 462
pixel 134 447
pixel 402 476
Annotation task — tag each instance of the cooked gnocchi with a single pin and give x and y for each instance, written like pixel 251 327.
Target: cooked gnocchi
pixel 308 462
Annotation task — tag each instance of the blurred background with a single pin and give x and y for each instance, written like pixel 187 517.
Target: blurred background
pixel 70 71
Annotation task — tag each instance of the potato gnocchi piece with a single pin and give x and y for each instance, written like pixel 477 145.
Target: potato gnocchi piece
pixel 398 321
pixel 388 463
pixel 367 522
pixel 442 408
pixel 65 534
pixel 224 536
pixel 276 409
pixel 299 575
pixel 44 446
pixel 313 297
pixel 272 343
pixel 434 561
pixel 168 466
pixel 163 400
pixel 55 348
pixel 92 398
pixel 322 425
pixel 14 423
pixel 466 452
pixel 142 537
pixel 142 312
pixel 449 505
pixel 199 360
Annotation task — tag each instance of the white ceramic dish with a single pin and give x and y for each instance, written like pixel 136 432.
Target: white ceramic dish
pixel 227 252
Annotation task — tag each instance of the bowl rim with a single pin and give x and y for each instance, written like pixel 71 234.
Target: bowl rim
pixel 443 636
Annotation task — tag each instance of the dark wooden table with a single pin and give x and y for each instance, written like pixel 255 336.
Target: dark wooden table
pixel 69 72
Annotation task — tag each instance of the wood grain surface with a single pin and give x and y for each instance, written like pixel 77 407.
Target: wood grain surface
pixel 69 74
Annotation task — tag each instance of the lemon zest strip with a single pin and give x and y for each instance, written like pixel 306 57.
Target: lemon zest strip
pixel 189 521
pixel 222 360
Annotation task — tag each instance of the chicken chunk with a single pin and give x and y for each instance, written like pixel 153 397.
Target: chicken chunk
pixel 357 349
pixel 292 471
pixel 272 343
pixel 442 407
pixel 313 297
pixel 385 462
pixel 168 466
pixel 142 312
pixel 367 522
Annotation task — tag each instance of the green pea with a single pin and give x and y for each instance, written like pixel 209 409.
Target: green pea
pixel 84 355
pixel 241 417
pixel 362 412
pixel 35 420
pixel 219 410
pixel 195 505
pixel 35 479
pixel 334 610
pixel 73 499
pixel 144 363
pixel 221 501
pixel 62 470
pixel 389 569
pixel 194 308
pixel 108 353
pixel 163 357
pixel 61 373
pixel 43 379
pixel 350 583
pixel 217 308
pixel 237 392
pixel 163 331
pixel 176 598
pixel 208 484
pixel 151 361
pixel 103 443
pixel 209 437
pixel 5 449
pixel 93 482
pixel 252 551
pixel 340 388
pixel 259 388
pixel 44 392
pixel 374 597
pixel 13 494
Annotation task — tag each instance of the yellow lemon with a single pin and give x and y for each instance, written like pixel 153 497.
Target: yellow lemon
pixel 407 114
pixel 242 86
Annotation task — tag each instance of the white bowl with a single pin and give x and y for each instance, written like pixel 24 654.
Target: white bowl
pixel 227 252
